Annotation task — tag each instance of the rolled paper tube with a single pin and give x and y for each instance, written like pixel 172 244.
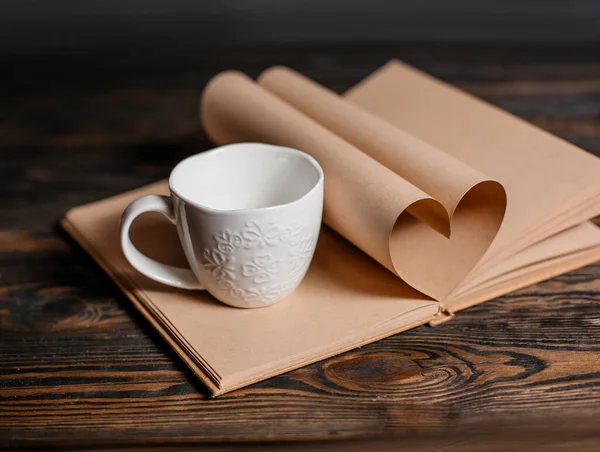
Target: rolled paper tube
pixel 381 212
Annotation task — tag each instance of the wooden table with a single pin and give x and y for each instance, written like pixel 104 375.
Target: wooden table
pixel 80 367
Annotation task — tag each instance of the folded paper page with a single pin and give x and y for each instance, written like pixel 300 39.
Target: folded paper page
pixel 544 176
pixel 578 238
pixel 381 205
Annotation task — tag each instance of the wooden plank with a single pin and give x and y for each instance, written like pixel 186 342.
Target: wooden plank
pixel 78 364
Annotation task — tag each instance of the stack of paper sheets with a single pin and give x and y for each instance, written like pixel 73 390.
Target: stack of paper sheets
pixel 434 201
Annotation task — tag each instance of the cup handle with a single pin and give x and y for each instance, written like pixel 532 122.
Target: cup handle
pixel 182 278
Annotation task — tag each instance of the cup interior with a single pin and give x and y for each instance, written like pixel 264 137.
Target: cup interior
pixel 245 176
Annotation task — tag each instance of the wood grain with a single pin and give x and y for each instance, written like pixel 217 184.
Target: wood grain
pixel 79 366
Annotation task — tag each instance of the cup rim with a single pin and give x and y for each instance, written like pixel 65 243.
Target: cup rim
pixel 224 148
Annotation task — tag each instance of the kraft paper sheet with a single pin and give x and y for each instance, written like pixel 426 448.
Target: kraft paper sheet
pixel 431 195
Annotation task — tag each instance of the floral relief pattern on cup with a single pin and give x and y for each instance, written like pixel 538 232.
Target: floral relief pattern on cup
pixel 261 237
pixel 263 268
pixel 262 295
pixel 266 294
pixel 227 241
pixel 220 265
pixel 301 253
pixel 291 235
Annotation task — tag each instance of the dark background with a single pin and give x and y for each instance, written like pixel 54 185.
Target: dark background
pixel 40 26
pixel 101 97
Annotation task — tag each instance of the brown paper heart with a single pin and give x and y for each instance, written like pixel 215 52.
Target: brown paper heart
pixel 421 213
pixel 435 264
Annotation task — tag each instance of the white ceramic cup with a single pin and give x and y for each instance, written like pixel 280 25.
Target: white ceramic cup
pixel 248 217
